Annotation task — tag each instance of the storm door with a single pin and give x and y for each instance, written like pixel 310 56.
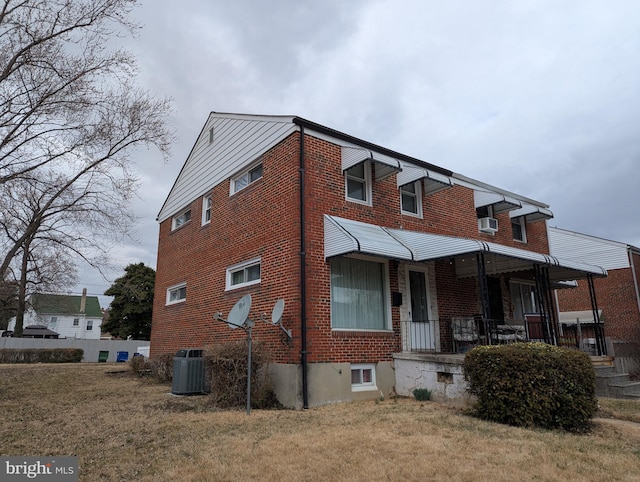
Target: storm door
pixel 421 323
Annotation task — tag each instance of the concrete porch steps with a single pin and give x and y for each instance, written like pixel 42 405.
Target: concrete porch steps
pixel 611 384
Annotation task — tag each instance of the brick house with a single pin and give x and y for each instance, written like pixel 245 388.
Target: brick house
pixel 382 260
pixel 618 295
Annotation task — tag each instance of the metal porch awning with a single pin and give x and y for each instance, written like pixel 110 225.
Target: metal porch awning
pixel 531 213
pixel 385 165
pixel 344 236
pixel 500 202
pixel 432 181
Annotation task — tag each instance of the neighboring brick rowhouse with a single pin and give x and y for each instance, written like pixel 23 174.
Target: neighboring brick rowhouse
pixel 616 297
pixel 263 220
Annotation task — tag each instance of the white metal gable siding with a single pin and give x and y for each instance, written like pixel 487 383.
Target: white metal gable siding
pixel 237 142
pixel 588 249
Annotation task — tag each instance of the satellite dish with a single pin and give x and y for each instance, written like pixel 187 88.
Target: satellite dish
pixel 240 312
pixel 278 309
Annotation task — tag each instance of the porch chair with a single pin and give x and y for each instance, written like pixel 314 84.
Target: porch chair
pixel 465 333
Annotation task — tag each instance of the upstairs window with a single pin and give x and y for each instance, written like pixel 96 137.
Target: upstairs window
pixel 411 199
pixel 484 212
pixel 176 294
pixel 181 219
pixel 206 210
pixel 76 322
pixel 245 178
pixel 518 228
pixel 89 325
pixel 243 274
pixel 358 183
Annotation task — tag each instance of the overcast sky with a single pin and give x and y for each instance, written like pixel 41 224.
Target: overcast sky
pixel 541 98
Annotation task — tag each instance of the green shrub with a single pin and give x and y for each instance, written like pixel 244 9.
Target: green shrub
pixel 41 355
pixel 226 368
pixel 532 385
pixel 422 394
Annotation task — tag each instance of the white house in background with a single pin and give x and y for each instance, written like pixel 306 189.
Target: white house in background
pixel 68 315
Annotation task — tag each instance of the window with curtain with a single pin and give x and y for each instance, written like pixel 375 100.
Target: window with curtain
pixel 358 294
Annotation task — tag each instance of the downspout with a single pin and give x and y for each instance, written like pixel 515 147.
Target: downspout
pixel 303 279
pixel 635 278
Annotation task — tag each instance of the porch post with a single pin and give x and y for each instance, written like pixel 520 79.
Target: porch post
pixel 601 347
pixel 543 292
pixel 483 292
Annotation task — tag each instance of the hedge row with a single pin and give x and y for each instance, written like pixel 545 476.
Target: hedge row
pixel 41 355
pixel 532 385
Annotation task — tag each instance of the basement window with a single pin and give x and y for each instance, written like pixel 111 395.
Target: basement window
pixel 363 377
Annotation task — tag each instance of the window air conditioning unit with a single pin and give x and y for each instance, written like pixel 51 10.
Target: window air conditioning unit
pixel 487 225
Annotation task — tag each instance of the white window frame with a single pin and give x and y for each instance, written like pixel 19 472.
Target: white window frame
pixel 245 176
pixel 418 199
pixel 207 204
pixel 176 288
pixel 76 322
pixel 89 325
pixel 386 295
pixel 520 221
pixel 363 386
pixel 366 181
pixel 244 266
pixel 177 221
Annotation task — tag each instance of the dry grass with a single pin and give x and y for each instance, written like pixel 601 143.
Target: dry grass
pixel 124 428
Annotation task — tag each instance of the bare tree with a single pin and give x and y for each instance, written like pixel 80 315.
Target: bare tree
pixel 70 119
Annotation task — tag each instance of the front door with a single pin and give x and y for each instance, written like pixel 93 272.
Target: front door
pixel 421 323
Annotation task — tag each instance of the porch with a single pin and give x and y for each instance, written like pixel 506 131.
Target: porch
pixel 443 374
pixel 459 334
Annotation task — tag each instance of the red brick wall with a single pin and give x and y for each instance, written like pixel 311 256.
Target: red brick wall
pixel 263 220
pixel 260 220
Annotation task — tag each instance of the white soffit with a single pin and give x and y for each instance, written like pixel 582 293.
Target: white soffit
pixel 433 181
pixel 385 165
pixel 500 202
pixel 531 213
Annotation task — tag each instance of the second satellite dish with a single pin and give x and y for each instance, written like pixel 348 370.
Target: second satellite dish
pixel 278 309
pixel 240 312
